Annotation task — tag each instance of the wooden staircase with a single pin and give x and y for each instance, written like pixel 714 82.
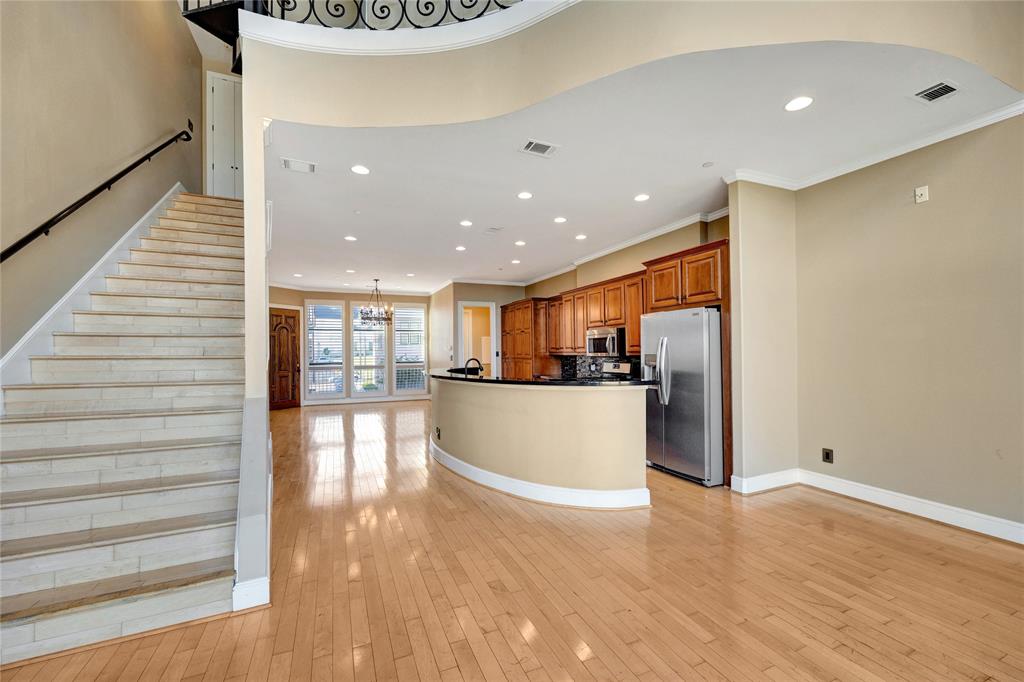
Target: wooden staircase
pixel 120 459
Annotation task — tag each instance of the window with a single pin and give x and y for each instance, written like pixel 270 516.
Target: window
pixel 410 349
pixel 325 351
pixel 369 350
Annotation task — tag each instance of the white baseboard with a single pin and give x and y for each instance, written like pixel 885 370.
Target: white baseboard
pixel 994 526
pixel 250 593
pixel 569 497
pixel 757 484
pixel 14 366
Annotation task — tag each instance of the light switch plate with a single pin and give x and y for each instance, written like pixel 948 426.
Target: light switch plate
pixel 921 194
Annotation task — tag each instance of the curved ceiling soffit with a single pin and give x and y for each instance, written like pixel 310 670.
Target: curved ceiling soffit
pixel 402 41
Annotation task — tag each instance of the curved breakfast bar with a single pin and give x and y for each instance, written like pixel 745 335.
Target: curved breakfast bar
pixel 572 443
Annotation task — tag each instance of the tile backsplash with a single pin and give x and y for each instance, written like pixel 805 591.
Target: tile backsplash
pixel 587 366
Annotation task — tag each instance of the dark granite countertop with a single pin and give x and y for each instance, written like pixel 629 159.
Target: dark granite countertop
pixel 543 381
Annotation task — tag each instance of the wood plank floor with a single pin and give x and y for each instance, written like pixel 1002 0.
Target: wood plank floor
pixel 388 566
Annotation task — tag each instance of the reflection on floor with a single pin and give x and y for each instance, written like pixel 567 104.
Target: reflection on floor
pixel 388 566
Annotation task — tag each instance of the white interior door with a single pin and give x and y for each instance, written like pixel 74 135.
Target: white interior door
pixel 224 150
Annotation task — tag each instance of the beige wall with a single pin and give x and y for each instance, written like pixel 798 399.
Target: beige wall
pixel 552 286
pixel 911 337
pixel 497 293
pixel 442 327
pixel 86 88
pixel 762 265
pixel 283 296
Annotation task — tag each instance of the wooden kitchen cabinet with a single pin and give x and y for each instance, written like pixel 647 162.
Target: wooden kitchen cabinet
pixel 633 308
pixel 579 326
pixel 554 326
pixel 568 317
pixel 614 313
pixel 524 340
pixel 595 307
pixel 663 280
pixel 702 277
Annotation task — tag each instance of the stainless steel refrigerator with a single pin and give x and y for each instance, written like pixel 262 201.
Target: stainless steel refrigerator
pixel 682 350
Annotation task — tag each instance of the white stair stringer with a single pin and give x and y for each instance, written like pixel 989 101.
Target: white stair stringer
pixel 120 448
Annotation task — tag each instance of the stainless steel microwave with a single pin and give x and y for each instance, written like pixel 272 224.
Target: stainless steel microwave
pixel 607 341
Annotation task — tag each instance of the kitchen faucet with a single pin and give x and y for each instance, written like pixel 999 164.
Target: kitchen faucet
pixel 478 364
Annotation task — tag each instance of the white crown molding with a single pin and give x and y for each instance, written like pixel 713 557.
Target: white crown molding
pixel 720 213
pixel 349 290
pixel 443 284
pixel 569 497
pixel 986 119
pixel 657 232
pixel 454 36
pixel 937 511
pixel 496 282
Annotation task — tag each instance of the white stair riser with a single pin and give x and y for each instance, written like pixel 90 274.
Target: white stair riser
pixel 186 259
pixel 196 236
pixel 42 400
pixel 128 429
pixel 97 563
pixel 160 304
pixel 184 204
pixel 148 345
pixel 191 247
pixel 69 369
pixel 156 324
pixel 197 225
pixel 114 468
pixel 204 217
pixel 157 287
pixel 114 619
pixel 115 510
pixel 210 200
pixel 173 271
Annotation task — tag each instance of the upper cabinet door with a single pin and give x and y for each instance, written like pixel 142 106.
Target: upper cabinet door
pixel 579 337
pixel 664 283
pixel 634 308
pixel 702 277
pixel 595 307
pixel 614 314
pixel 567 309
pixel 554 324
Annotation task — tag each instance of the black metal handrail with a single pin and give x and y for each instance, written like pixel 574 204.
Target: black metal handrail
pixel 106 185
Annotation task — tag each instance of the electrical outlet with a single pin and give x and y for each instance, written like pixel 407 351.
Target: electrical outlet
pixel 921 194
pixel 827 455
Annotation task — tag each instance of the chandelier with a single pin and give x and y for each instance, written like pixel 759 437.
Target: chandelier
pixel 376 313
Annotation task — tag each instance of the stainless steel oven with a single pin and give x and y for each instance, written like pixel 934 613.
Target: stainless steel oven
pixel 607 341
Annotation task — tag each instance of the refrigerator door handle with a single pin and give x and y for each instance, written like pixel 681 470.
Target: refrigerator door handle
pixel 664 371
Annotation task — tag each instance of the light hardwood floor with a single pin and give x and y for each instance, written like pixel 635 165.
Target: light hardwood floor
pixel 388 566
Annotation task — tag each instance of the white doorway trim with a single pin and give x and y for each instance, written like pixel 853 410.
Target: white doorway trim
pixel 460 359
pixel 208 122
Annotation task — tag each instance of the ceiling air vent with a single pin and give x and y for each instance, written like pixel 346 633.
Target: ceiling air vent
pixel 936 91
pixel 538 148
pixel 297 165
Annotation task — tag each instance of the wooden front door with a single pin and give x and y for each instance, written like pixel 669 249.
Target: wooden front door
pixel 285 364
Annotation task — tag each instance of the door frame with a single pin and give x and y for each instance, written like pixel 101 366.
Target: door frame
pixel 460 358
pixel 207 122
pixel 302 349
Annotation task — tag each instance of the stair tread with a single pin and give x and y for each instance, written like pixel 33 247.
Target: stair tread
pixel 136 357
pixel 84 594
pixel 72 451
pixel 186 280
pixel 194 230
pixel 188 253
pixel 154 313
pixel 125 384
pixel 113 414
pixel 22 548
pixel 187 241
pixel 178 265
pixel 205 221
pixel 211 196
pixel 146 294
pixel 199 207
pixel 137 486
pixel 197 222
pixel 148 335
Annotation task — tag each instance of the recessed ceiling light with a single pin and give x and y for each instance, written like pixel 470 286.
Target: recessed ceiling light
pixel 559 219
pixel 641 197
pixel 346 284
pixel 524 195
pixel 798 103
pixel 466 223
pixel 520 243
pixel 460 248
pixel 410 274
pixel 707 164
pixel 581 237
pixel 350 271
pixel 297 275
pixel 350 238
pixel 515 262
pixel 360 170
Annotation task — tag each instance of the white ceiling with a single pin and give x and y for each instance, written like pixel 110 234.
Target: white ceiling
pixel 648 129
